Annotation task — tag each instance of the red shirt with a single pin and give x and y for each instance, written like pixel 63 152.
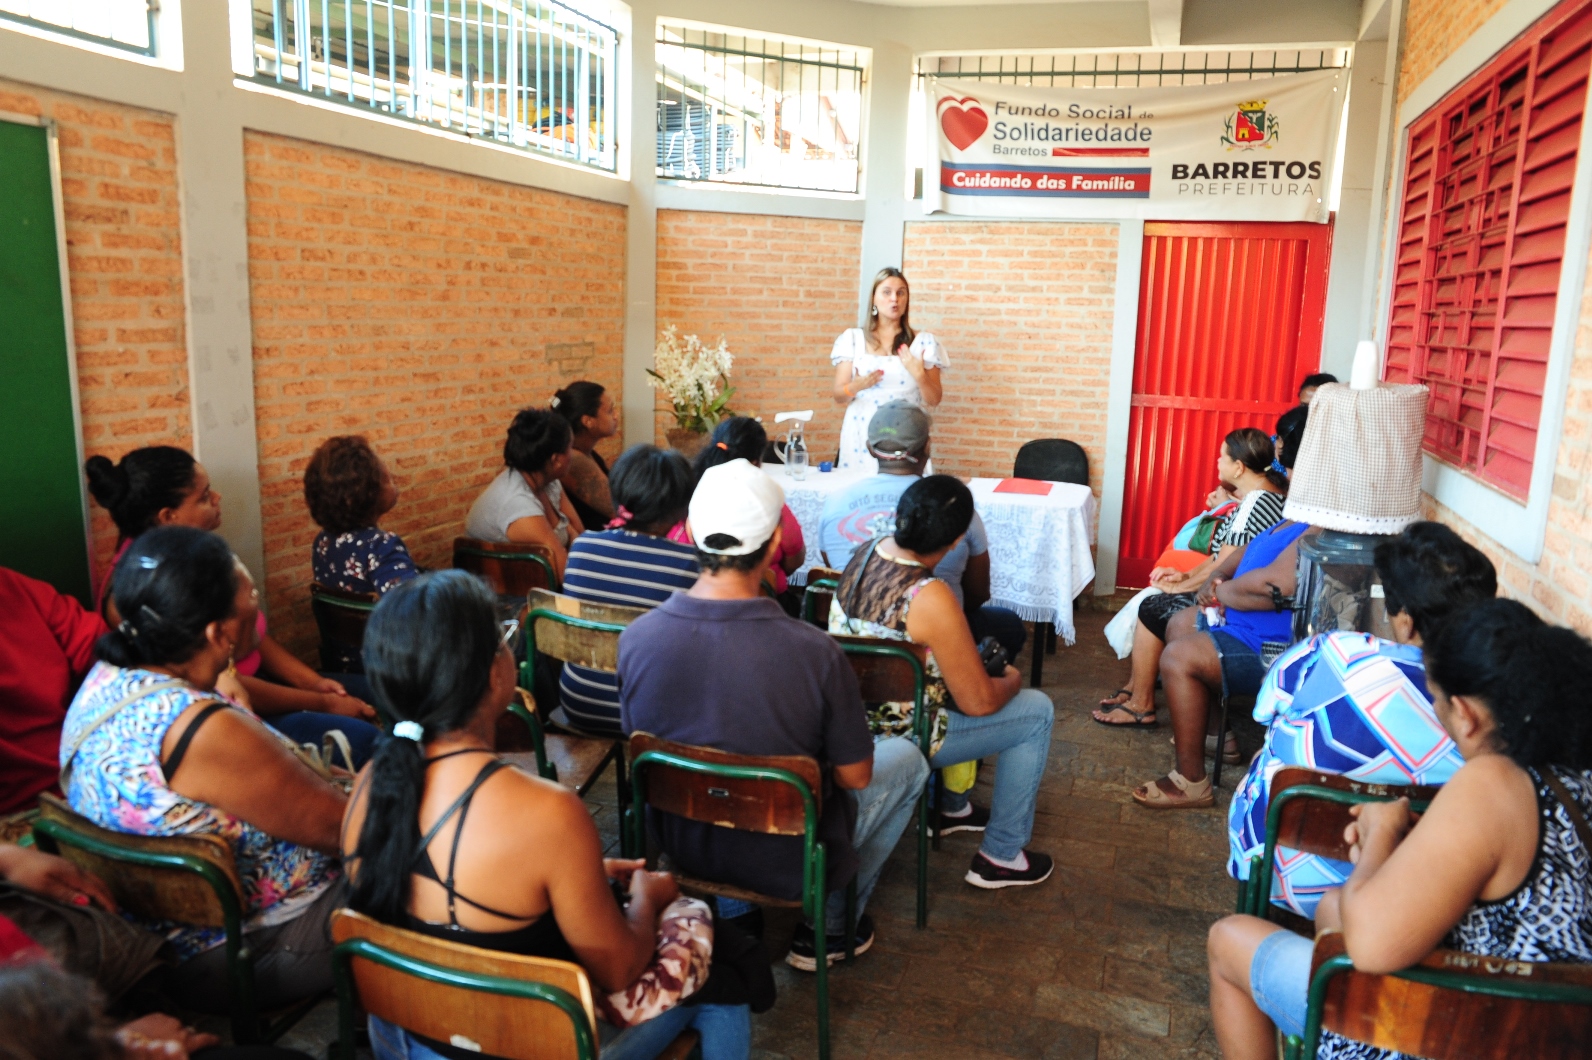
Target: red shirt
pixel 46 646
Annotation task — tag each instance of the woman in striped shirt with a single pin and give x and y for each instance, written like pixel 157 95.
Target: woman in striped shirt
pixel 630 563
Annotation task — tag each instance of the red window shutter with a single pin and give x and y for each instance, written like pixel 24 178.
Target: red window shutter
pixel 1481 238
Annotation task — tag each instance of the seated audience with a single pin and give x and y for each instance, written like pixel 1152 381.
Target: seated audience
pixel 898 437
pixel 347 489
pixel 724 666
pixel 1351 703
pixel 1498 866
pixel 589 408
pixel 150 748
pixel 631 564
pixel 46 646
pixel 743 438
pixel 165 486
pixel 1228 657
pixel 1312 383
pixel 1244 468
pixel 526 503
pixel 507 861
pixel 889 590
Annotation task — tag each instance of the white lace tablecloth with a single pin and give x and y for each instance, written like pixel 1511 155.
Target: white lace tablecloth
pixel 1038 546
pixel 1039 558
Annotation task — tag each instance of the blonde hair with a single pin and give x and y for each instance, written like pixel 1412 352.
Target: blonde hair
pixel 904 334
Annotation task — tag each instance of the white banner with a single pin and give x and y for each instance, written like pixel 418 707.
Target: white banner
pixel 1242 151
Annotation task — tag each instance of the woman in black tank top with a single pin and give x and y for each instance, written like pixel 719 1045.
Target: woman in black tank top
pixel 589 408
pixel 445 838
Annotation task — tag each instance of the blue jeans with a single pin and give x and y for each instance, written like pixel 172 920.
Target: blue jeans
pixel 726 1032
pixel 1019 733
pixel 884 809
pixel 1279 979
pixel 308 726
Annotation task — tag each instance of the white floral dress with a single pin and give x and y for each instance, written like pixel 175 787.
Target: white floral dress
pixel 897 385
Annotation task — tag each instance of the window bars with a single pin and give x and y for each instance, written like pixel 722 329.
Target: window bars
pixel 1130 69
pixel 125 24
pixel 532 74
pixel 758 110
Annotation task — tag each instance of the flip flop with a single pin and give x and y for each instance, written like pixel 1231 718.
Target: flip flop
pixel 1138 716
pixel 1194 794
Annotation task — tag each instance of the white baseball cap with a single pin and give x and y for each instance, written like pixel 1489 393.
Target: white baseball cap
pixel 737 500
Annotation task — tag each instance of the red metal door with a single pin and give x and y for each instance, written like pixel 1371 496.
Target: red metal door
pixel 1230 321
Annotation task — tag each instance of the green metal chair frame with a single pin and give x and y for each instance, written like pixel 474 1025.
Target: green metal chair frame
pixel 1516 988
pixel 247 1027
pixel 815 862
pixel 528 682
pixel 921 730
pixel 1254 895
pixel 342 969
pixel 809 601
pixel 540 560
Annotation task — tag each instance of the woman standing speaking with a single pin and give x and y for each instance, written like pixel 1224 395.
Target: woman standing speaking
pixel 886 361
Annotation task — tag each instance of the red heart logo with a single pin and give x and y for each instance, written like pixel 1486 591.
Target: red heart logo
pixel 963 121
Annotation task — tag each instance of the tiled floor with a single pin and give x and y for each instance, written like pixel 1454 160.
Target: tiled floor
pixel 1106 960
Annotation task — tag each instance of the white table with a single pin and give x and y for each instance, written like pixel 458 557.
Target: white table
pixel 1039 546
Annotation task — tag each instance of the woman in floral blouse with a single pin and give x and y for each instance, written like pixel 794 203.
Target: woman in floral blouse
pixel 348 489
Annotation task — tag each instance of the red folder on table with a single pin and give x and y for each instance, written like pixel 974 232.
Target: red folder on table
pixel 1024 485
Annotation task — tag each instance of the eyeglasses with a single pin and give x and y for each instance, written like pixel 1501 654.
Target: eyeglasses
pixel 509 633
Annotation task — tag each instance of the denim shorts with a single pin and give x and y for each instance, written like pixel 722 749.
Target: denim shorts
pixel 1279 979
pixel 1242 667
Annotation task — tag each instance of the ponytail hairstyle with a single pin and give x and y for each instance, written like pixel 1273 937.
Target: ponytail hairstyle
pixel 933 513
pixel 904 333
pixel 1253 448
pixel 651 488
pixel 135 490
pixel 737 438
pixel 1532 676
pixel 429 649
pixel 577 401
pixel 172 582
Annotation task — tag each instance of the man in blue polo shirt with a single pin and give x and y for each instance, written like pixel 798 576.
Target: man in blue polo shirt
pixel 898 437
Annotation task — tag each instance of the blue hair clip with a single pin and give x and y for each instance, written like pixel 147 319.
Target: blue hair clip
pixel 1276 465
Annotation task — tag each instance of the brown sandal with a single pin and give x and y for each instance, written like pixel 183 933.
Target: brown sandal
pixel 1193 794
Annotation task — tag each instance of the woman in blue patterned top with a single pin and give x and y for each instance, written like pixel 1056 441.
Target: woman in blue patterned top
pixel 348 489
pixel 150 747
pixel 632 564
pixel 1352 703
pixel 1500 864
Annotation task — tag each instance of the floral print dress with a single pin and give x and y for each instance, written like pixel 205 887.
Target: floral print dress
pixel 117 724
pixel 368 560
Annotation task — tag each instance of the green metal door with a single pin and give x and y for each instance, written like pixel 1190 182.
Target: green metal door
pixel 43 522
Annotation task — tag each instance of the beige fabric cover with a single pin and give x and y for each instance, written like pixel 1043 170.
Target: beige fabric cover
pixel 1359 465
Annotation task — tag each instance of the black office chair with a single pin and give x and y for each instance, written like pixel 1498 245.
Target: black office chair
pixel 1052 460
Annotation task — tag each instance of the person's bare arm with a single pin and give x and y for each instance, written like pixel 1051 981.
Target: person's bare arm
pixel 929 386
pixel 584 479
pixel 536 530
pixel 305 689
pixel 613 945
pixel 1411 884
pixel 235 765
pixel 856 776
pixel 846 387
pixel 936 622
pixel 54 877
pixel 1253 591
pixel 565 505
pixel 975 583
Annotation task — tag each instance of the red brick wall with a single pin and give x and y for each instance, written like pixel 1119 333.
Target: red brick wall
pixel 1024 309
pixel 779 289
pixel 124 256
pixel 420 308
pixel 1433 29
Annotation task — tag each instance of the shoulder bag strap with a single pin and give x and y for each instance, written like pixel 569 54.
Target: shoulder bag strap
pixel 1567 800
pixel 77 744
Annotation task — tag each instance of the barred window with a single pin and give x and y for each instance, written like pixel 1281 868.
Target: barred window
pixel 746 108
pixel 532 74
pixel 125 24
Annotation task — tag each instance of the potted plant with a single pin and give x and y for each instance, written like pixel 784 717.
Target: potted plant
pixel 696 379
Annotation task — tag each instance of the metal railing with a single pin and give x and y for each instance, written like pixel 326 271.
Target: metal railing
pixel 531 74
pixel 1131 69
pixel 758 110
pixel 125 24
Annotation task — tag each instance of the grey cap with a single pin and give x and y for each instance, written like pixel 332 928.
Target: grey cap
pixel 897 429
